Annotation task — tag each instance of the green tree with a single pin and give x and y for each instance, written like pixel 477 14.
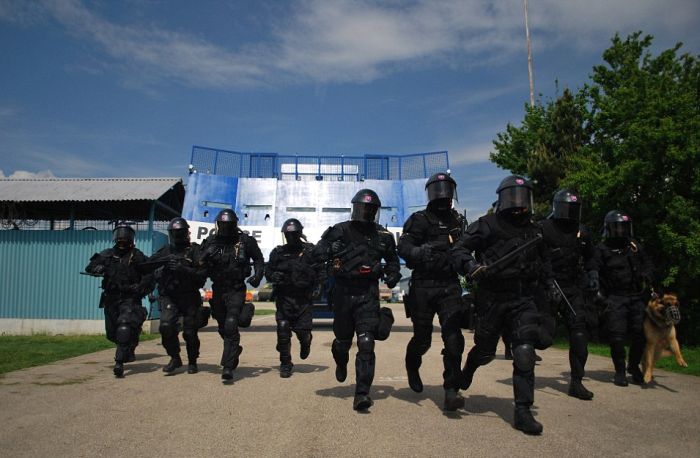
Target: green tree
pixel 628 140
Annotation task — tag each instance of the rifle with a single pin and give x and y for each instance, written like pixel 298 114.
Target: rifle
pixel 509 256
pixel 160 262
pixel 92 275
pixel 348 259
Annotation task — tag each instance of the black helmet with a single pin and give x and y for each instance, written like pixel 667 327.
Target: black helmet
pixel 123 236
pixel 292 230
pixel 179 231
pixel 514 192
pixel 226 223
pixel 566 205
pixel 618 225
pixel 292 225
pixel 441 186
pixel 365 206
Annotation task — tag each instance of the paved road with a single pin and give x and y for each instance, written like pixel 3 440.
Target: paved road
pixel 77 408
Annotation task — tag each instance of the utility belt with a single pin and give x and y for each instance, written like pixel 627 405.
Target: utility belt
pixel 505 287
pixel 356 286
pixel 433 282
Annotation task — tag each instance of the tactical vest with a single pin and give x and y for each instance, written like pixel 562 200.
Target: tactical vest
pixel 565 250
pixel 170 282
pixel 120 272
pixel 376 245
pixel 621 269
pixel 229 263
pixel 442 235
pixel 299 273
pixel 504 238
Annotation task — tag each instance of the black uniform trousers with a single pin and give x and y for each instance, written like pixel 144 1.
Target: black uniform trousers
pixel 124 317
pixel 444 298
pixel 226 308
pixel 517 315
pixel 172 307
pixel 356 311
pixel 624 315
pixel 293 313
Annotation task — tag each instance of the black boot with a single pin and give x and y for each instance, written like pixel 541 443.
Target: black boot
pixel 118 369
pixel 620 378
pixel 341 371
pixel 508 355
pixel 467 377
pixel 131 355
pixel 192 367
pixel 525 422
pixel 362 402
pixel 636 373
pixel 453 400
pixel 286 370
pixel 577 390
pixel 227 373
pixel 412 371
pixel 174 363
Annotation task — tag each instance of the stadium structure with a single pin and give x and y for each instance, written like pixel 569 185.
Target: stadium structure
pixel 265 189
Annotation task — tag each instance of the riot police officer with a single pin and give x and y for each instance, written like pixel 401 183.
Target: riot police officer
pixel 570 246
pixel 355 250
pixel 295 278
pixel 179 278
pixel 123 287
pixel 428 236
pixel 623 272
pixel 509 261
pixel 227 255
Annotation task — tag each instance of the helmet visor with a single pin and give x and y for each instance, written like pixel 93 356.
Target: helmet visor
pixel 619 229
pixel 226 228
pixel 293 238
pixel 365 213
pixel 441 190
pixel 515 197
pixel 179 235
pixel 123 233
pixel 567 210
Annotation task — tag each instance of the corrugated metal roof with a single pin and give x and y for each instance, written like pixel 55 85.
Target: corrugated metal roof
pixel 84 189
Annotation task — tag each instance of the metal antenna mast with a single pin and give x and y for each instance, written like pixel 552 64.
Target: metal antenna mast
pixel 529 58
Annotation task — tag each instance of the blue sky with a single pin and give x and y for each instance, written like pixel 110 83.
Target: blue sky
pixel 125 88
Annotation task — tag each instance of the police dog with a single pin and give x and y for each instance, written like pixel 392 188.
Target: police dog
pixel 660 332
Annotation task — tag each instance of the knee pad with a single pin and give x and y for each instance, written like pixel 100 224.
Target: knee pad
pixel 284 332
pixel 230 325
pixel 246 315
pixel 454 344
pixel 189 333
pixel 365 343
pixel 419 344
pixel 340 349
pixel 123 334
pixel 524 357
pixel 166 329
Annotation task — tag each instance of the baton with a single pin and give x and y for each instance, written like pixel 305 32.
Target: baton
pixel 564 296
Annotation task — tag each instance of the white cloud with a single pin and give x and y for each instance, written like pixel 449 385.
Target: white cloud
pixel 335 41
pixel 24 175
pixel 469 154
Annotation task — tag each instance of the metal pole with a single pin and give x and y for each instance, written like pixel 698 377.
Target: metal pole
pixel 529 58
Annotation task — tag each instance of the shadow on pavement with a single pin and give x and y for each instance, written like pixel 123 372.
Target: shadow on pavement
pixel 348 392
pixel 139 368
pixel 483 405
pixel 147 356
pixel 434 394
pixel 241 373
pixel 308 368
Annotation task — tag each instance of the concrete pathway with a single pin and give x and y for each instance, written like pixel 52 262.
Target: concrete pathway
pixel 77 408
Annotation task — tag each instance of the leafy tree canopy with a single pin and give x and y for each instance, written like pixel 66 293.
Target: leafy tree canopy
pixel 627 140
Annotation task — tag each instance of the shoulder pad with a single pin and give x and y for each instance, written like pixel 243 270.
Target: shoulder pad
pixel 333 232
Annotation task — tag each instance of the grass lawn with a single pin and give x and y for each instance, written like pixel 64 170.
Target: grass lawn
pixel 19 352
pixel 264 312
pixel 690 354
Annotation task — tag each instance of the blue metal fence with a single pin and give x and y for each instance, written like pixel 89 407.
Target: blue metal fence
pixel 338 168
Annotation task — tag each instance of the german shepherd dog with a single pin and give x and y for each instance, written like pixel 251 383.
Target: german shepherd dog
pixel 660 332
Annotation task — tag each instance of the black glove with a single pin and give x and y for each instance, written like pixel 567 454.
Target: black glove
pixel 475 271
pixel 337 247
pixel 276 277
pixel 99 269
pixel 254 281
pixel 392 279
pixel 422 253
pixel 172 265
pixel 592 281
